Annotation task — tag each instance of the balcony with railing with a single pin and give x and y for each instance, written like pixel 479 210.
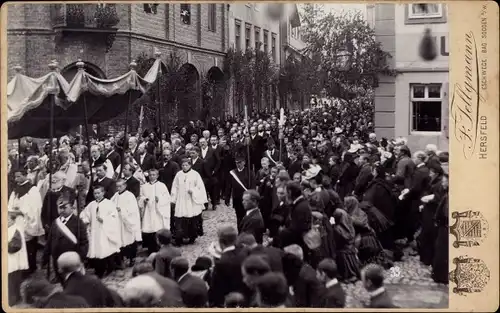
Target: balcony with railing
pixel 80 18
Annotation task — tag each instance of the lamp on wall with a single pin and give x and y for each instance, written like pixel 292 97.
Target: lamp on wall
pixel 427 48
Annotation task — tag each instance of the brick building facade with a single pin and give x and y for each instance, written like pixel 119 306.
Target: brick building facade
pixel 39 33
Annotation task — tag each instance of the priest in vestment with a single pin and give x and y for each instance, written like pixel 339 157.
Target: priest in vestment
pixel 104 226
pixel 128 211
pixel 189 196
pixel 155 205
pixel 25 198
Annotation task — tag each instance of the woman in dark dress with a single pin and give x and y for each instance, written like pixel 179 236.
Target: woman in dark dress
pixel 440 260
pixel 344 234
pixel 348 173
pixel 379 204
pixel 369 248
pixel 432 198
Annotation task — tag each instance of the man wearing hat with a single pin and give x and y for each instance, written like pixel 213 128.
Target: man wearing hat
pixel 242 179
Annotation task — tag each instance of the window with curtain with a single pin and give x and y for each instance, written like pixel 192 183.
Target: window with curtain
pixel 426 102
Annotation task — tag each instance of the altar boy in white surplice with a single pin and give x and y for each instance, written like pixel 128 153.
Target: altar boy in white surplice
pixel 105 232
pixel 155 204
pixel 128 211
pixel 189 196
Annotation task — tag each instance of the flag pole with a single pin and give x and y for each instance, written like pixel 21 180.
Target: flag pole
pixel 248 146
pixel 158 101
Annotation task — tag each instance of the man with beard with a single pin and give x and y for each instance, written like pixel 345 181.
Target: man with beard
pixel 241 180
pixel 49 206
pixel 25 198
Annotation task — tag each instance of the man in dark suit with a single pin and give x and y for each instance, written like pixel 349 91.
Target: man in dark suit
pixel 307 288
pixel 101 179
pixel 194 289
pixel 257 147
pixel 166 254
pixel 334 296
pixel 252 222
pixel 295 165
pixel 43 295
pixel 373 281
pixel 212 160
pixel 168 168
pixel 272 153
pixel 241 179
pixel 199 164
pixel 133 185
pixel 145 160
pixel 364 176
pixel 49 206
pixel 77 283
pixel 112 155
pixel 67 233
pixel 226 276
pixel 272 255
pixel 227 164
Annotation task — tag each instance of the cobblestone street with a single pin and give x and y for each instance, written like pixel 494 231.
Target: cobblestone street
pixel 409 281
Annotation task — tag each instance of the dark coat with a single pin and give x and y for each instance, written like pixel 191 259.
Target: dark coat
pixel 363 179
pixel 172 298
pixel 178 155
pixel 226 277
pixel 201 168
pixel 109 189
pixel 275 155
pixel 379 194
pixel 272 254
pixel 163 258
pixel 115 159
pixel 91 289
pixel 419 183
pixel 333 297
pixel 194 291
pixel 347 179
pixel 404 171
pixel 62 300
pixel 300 216
pixel 49 207
pixel 236 190
pixel 383 300
pixel 167 172
pixel 212 162
pixel 253 223
pixel 134 186
pixel 57 243
pixel 295 167
pixel 147 163
pixel 307 288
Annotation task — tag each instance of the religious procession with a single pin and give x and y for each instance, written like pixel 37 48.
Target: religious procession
pixel 303 204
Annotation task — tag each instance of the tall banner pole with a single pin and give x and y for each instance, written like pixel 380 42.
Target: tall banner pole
pixel 281 126
pixel 158 100
pixel 247 133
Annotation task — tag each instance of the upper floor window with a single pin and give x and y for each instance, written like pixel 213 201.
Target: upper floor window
pixel 273 46
pixel 248 27
pixel 237 35
pixel 266 41
pixel 151 8
pixel 426 104
pixel 186 13
pixel 257 38
pixel 425 10
pixel 212 16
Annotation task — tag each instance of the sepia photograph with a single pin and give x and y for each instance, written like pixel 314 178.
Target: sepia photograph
pixel 229 155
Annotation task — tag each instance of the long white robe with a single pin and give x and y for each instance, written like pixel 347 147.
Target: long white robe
pixel 105 237
pixel 71 171
pixel 156 214
pixel 31 206
pixel 19 260
pixel 129 217
pixel 187 205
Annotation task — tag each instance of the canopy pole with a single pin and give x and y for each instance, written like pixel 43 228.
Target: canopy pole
pixel 133 65
pixel 80 66
pixel 52 91
pixel 158 101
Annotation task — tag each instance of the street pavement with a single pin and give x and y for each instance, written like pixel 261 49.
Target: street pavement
pixel 409 281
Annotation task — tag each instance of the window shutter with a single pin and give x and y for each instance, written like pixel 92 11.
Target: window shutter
pixel 445 111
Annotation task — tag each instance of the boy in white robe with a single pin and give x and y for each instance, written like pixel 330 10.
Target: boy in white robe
pixel 189 196
pixel 128 211
pixel 155 205
pixel 17 257
pixel 104 227
pixel 26 199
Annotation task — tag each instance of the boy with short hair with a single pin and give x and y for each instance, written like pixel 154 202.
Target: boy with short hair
pixel 373 281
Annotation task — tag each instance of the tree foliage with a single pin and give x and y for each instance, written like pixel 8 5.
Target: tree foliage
pixel 343 46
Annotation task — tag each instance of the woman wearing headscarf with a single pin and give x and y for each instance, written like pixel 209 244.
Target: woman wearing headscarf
pixel 432 197
pixel 344 235
pixel 369 248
